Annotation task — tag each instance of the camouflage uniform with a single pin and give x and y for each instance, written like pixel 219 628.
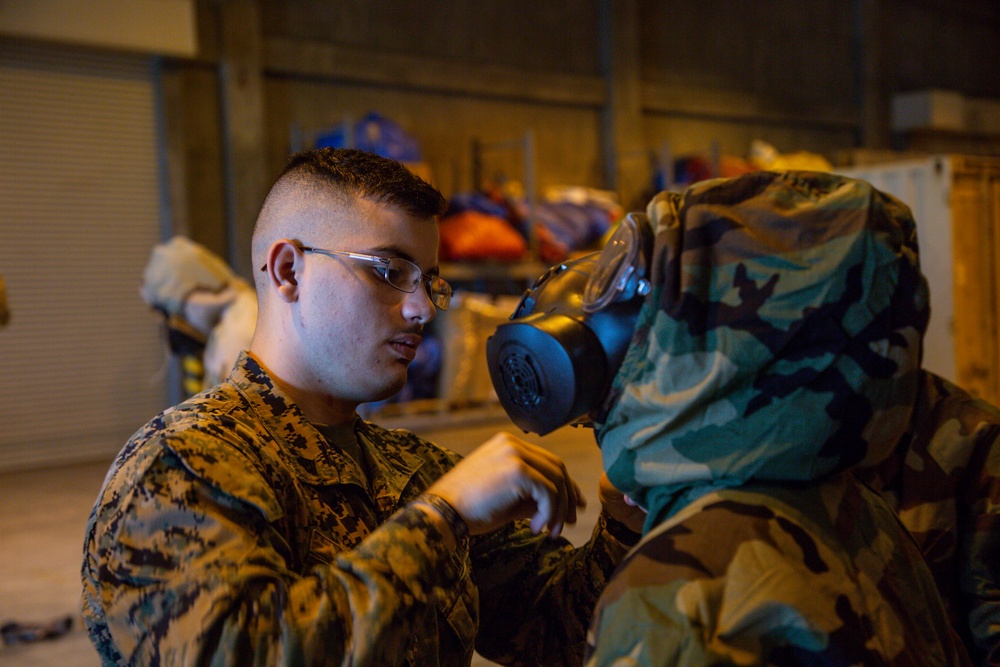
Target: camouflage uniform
pixel 229 531
pixel 944 481
pixel 776 356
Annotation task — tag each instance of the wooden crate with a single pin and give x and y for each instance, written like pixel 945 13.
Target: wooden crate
pixel 975 217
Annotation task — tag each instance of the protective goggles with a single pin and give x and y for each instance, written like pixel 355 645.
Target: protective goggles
pixel 621 271
pixel 401 273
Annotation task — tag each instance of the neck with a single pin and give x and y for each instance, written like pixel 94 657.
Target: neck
pixel 317 407
pixel 320 409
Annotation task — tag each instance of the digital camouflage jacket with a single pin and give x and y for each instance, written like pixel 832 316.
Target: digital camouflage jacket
pixel 229 532
pixel 776 356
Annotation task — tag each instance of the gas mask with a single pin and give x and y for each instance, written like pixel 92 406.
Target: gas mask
pixel 553 362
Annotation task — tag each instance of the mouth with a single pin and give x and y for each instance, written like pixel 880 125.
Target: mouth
pixel 405 345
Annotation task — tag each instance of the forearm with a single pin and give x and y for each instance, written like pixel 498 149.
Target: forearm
pixel 224 594
pixel 980 552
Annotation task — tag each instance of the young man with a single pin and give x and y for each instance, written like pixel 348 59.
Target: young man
pixel 263 522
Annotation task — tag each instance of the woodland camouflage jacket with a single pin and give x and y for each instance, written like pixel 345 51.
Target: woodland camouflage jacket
pixel 944 481
pixel 775 358
pixel 229 532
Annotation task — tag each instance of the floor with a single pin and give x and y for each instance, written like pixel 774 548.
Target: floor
pixel 43 514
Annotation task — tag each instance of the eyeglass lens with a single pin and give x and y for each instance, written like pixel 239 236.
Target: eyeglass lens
pixel 407 276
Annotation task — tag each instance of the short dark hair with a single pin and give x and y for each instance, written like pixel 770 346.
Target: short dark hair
pixel 368 175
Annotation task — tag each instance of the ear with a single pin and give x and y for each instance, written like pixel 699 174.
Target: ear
pixel 285 262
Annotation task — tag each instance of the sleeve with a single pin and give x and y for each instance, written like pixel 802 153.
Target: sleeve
pixel 979 547
pixel 537 592
pixel 945 482
pixel 644 629
pixel 737 578
pixel 182 574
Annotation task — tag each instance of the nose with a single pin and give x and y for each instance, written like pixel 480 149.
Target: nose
pixel 417 306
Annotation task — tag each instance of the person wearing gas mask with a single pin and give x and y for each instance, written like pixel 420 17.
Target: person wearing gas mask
pixel 769 383
pixel 263 522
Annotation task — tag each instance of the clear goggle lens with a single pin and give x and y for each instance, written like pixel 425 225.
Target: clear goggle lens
pixel 618 261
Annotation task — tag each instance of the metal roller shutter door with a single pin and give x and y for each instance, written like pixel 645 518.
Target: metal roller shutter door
pixel 81 362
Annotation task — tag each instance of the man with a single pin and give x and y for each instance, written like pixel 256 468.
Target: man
pixel 775 362
pixel 942 477
pixel 262 522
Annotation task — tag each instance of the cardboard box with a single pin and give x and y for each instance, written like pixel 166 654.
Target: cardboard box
pixel 982 116
pixel 928 109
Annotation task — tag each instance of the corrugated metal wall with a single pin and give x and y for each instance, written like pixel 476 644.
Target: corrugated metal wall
pixel 79 212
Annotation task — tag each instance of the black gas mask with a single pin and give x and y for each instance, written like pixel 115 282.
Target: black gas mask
pixel 552 364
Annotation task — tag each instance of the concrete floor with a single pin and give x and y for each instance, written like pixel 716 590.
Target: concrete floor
pixel 43 514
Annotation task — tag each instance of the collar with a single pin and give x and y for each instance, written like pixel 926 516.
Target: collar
pixel 305 449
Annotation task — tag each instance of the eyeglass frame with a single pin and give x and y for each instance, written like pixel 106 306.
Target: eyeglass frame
pixel 383 264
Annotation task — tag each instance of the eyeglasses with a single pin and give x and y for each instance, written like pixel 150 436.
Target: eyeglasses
pixel 402 274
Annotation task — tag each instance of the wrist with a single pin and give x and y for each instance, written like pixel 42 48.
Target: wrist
pixel 443 509
pixel 620 531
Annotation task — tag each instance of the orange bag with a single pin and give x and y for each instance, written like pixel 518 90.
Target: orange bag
pixel 471 235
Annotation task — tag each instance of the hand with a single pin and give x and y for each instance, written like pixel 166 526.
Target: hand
pixel 619 506
pixel 507 478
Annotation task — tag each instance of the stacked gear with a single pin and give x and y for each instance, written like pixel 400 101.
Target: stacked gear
pixel 375 134
pixel 177 268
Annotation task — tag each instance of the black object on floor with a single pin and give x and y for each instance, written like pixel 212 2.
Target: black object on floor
pixel 25 633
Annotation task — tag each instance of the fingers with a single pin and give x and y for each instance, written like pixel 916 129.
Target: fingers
pixel 506 479
pixel 546 482
pixel 550 503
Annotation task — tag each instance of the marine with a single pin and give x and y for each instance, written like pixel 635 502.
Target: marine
pixel 775 365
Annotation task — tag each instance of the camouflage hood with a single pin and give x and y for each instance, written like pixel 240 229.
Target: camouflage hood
pixel 780 342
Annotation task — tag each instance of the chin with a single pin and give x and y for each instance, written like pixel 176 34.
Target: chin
pixel 388 392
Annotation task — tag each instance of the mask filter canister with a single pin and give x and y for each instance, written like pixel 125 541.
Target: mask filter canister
pixel 553 362
pixel 547 368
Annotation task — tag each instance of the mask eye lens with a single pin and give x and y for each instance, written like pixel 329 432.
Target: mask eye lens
pixel 526 304
pixel 545 276
pixel 613 268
